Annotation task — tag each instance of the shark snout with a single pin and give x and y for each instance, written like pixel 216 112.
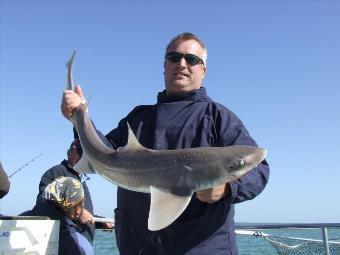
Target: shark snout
pixel 256 157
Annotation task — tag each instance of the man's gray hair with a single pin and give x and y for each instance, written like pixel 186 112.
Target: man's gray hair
pixel 188 36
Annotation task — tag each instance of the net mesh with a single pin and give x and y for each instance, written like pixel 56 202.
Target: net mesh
pixel 296 246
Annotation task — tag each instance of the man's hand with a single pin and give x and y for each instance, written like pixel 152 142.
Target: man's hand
pixel 70 101
pixel 86 217
pixel 104 225
pixel 214 194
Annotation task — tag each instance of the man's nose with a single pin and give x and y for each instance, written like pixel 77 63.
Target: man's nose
pixel 182 62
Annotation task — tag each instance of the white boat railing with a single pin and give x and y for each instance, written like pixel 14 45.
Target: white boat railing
pixel 295 245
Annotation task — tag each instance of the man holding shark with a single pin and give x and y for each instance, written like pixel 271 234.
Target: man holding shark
pixel 184 117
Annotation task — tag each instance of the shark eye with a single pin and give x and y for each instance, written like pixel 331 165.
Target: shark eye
pixel 237 164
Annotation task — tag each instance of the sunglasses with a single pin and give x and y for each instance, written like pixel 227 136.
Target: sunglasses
pixel 175 57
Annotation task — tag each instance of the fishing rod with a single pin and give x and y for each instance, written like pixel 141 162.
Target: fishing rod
pixel 19 169
pixel 104 220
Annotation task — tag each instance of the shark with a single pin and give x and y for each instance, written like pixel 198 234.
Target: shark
pixel 170 176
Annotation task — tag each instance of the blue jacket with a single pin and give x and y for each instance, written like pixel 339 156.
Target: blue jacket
pixel 175 122
pixel 48 208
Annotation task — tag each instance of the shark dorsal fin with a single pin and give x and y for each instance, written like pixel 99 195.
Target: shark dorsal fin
pixel 132 143
pixel 165 208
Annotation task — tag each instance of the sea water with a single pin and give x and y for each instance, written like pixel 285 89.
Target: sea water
pixel 105 242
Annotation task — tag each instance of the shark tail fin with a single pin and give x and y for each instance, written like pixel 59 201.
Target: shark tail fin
pixel 69 65
pixel 165 208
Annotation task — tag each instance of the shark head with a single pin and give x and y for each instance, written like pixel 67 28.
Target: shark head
pixel 244 158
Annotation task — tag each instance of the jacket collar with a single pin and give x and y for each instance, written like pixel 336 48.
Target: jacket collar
pixel 198 95
pixel 70 169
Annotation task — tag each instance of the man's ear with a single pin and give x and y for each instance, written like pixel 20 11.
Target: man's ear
pixel 164 67
pixel 204 72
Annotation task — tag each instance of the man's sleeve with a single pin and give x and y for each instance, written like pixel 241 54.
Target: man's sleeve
pixel 231 131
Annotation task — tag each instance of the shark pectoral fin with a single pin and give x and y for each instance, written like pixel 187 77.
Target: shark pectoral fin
pixel 84 166
pixel 165 208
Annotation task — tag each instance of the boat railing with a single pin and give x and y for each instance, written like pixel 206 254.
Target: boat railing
pixel 295 245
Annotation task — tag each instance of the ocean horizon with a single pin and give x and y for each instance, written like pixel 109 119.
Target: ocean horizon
pixel 105 242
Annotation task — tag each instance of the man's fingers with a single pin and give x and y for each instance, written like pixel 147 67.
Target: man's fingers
pixel 79 92
pixel 213 194
pixel 204 198
pixel 71 100
pixel 67 104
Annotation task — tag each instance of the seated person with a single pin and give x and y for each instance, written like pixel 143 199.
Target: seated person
pixel 68 194
pixel 76 222
pixel 4 182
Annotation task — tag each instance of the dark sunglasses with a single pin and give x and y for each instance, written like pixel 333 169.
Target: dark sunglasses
pixel 175 57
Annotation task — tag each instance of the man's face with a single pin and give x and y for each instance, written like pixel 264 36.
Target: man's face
pixel 72 154
pixel 181 76
pixel 75 211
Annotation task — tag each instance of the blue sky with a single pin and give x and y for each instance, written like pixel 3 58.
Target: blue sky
pixel 276 64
